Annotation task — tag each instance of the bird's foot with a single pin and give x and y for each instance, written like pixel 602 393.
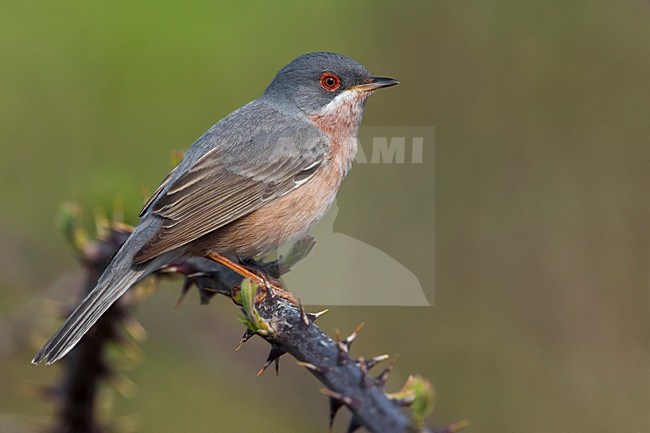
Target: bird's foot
pixel 268 286
pixel 271 288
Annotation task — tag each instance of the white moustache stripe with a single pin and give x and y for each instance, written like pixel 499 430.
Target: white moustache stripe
pixel 349 103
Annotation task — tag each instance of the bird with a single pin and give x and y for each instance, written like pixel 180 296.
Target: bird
pixel 259 178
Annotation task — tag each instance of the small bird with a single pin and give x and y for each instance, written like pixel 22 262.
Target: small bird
pixel 259 178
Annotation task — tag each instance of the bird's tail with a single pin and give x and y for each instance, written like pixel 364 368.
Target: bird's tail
pixel 118 277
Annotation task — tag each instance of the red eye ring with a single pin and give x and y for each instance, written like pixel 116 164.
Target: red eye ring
pixel 330 82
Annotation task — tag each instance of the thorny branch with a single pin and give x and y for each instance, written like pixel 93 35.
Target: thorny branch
pixel 288 328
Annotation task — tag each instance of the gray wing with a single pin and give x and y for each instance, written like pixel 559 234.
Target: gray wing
pixel 156 193
pixel 249 168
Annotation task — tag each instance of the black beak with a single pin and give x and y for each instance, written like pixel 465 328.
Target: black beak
pixel 376 83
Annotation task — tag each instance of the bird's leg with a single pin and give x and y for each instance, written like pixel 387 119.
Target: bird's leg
pixel 236 267
pixel 266 284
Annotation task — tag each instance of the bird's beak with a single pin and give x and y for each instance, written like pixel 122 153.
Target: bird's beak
pixel 376 83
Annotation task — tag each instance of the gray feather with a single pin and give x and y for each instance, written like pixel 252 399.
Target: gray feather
pixel 251 157
pixel 118 277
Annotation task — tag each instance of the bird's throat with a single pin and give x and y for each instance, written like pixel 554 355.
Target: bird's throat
pixel 340 120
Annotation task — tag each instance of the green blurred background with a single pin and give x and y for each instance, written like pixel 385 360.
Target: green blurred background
pixel 541 111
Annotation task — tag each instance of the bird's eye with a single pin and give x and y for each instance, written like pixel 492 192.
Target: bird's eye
pixel 330 82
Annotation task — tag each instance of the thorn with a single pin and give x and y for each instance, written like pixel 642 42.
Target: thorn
pixel 349 402
pixel 454 427
pixel 247 336
pixel 354 424
pixel 348 341
pixel 335 405
pixel 376 360
pixel 303 313
pixel 314 316
pixel 364 372
pixel 312 367
pixel 383 377
pixel 274 356
pixel 343 346
pixel 186 288
pixel 342 349
pixel 343 353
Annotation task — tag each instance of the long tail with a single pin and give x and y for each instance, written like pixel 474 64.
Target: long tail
pixel 118 277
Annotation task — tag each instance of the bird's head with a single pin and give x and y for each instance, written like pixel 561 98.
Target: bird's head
pixel 328 88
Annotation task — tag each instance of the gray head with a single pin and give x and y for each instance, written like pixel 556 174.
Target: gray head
pixel 313 81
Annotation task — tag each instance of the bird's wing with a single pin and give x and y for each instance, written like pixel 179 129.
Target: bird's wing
pixel 157 192
pixel 227 183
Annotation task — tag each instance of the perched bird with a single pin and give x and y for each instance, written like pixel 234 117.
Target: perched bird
pixel 260 177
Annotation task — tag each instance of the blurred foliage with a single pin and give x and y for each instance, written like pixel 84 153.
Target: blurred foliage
pixel 541 113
